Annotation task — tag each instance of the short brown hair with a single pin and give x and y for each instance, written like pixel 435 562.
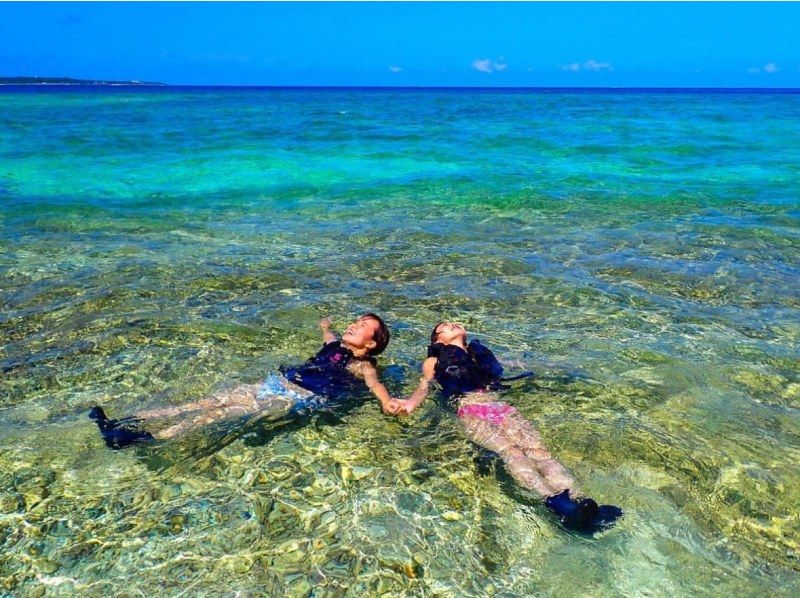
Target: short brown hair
pixel 381 336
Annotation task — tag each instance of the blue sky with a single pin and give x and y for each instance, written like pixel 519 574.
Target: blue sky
pixel 451 44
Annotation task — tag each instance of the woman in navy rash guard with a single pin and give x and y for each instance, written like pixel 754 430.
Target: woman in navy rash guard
pixel 469 374
pixel 337 372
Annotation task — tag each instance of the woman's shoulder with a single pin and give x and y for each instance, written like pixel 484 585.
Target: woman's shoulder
pixel 477 347
pixel 435 349
pixel 362 365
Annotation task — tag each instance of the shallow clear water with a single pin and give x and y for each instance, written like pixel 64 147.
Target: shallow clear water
pixel 640 251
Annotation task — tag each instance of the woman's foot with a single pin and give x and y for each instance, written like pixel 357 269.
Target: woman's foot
pixel 582 515
pixel 119 433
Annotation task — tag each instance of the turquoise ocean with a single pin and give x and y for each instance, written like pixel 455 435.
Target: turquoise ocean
pixel 639 250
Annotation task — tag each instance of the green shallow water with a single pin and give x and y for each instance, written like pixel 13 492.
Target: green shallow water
pixel 639 251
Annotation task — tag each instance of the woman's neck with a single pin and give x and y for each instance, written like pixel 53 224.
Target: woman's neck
pixel 357 352
pixel 458 342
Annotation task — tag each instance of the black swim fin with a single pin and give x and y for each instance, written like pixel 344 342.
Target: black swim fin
pixel 584 515
pixel 119 433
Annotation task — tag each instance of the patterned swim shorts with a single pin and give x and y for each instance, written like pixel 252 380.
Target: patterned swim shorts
pixel 277 386
pixel 493 412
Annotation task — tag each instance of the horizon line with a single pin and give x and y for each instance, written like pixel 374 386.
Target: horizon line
pixel 156 85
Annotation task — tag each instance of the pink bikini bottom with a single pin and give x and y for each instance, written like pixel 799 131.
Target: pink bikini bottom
pixel 493 412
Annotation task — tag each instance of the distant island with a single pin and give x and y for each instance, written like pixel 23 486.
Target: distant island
pixel 67 81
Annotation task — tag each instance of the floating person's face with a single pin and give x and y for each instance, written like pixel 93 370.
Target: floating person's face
pixel 361 333
pixel 448 332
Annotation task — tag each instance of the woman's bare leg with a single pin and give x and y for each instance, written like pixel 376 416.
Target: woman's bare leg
pixel 521 467
pixel 201 405
pixel 505 431
pixel 522 433
pixel 240 400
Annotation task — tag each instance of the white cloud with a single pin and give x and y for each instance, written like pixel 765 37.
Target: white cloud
pixel 593 65
pixel 483 65
pixel 395 69
pixel 487 65
pixel 769 68
pixel 589 65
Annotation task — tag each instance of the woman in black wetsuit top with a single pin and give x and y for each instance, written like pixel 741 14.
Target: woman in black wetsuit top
pixel 468 374
pixel 337 372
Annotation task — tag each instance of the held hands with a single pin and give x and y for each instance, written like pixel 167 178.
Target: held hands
pixel 406 406
pixel 398 406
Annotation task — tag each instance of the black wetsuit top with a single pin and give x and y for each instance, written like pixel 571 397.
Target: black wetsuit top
pixel 326 373
pixel 459 371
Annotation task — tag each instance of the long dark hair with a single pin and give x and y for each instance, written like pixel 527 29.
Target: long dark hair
pixel 434 334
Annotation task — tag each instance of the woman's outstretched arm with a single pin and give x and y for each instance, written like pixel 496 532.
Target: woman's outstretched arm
pixel 327 335
pixel 421 392
pixel 388 404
